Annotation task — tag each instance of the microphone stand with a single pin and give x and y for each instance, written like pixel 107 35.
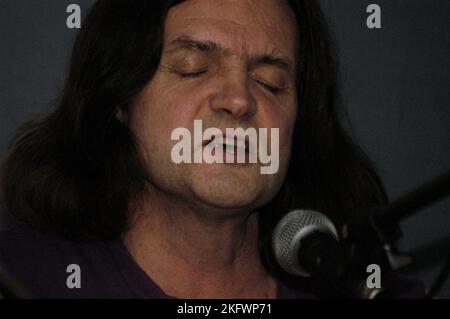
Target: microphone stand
pixel 410 203
pixel 406 206
pixel 342 274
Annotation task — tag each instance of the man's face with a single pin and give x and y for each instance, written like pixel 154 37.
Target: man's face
pixel 229 63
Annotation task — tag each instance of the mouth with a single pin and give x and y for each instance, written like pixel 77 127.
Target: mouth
pixel 232 145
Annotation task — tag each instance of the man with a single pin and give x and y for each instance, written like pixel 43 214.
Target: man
pixel 95 183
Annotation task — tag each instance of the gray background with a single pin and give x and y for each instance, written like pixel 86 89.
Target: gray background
pixel 395 84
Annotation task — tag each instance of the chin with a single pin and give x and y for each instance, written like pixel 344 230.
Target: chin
pixel 229 187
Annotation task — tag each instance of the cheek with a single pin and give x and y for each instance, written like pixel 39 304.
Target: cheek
pixel 281 116
pixel 176 104
pixel 158 112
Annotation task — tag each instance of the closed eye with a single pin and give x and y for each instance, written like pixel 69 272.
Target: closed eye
pixel 272 89
pixel 192 74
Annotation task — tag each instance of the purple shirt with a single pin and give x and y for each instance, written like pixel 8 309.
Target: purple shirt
pixel 39 263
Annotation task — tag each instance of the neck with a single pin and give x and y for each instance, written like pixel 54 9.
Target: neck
pixel 192 252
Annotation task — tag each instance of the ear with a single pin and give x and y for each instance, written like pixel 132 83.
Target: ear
pixel 122 116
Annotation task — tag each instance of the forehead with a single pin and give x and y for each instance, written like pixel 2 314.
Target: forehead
pixel 242 26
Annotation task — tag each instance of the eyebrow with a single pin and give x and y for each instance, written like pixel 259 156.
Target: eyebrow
pixel 188 42
pixel 271 59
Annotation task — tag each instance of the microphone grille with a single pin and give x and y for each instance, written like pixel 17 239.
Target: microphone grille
pixel 288 233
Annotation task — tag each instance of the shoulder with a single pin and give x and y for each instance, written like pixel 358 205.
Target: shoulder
pixel 30 249
pixel 21 245
pixel 42 264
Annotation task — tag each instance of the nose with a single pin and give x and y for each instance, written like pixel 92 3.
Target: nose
pixel 234 97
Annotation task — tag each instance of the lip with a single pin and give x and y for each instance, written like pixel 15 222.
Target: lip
pixel 236 140
pixel 230 147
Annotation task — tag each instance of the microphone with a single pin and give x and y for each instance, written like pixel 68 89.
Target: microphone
pixel 305 243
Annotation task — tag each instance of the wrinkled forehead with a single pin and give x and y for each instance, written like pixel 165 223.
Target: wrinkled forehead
pixel 242 26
